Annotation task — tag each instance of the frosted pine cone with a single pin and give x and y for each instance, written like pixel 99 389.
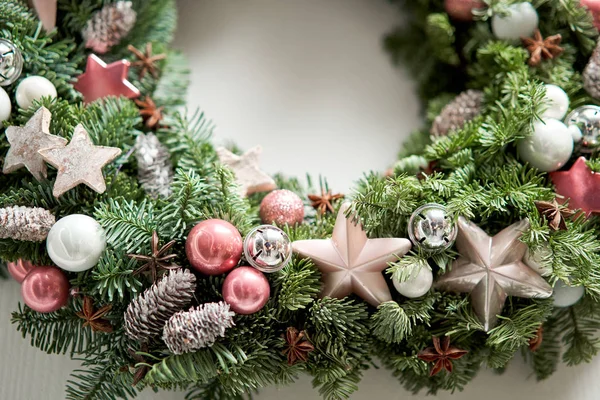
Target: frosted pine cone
pixel 108 26
pixel 146 314
pixel 591 74
pixel 459 111
pixel 155 171
pixel 25 223
pixel 197 328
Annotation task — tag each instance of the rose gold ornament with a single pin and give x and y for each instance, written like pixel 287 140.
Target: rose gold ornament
pixel 19 269
pixel 45 289
pixel 282 207
pixel 100 80
pixel 580 185
pixel 246 290
pixel 214 247
pixel 462 10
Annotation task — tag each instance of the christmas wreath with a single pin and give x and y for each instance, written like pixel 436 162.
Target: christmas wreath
pixel 162 261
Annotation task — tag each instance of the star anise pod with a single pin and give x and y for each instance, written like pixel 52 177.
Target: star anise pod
pixel 298 346
pixel 146 61
pixel 323 202
pixel 431 168
pixel 536 341
pixel 555 213
pixel 540 48
pixel 158 258
pixel 141 366
pixel 148 110
pixel 94 318
pixel 442 354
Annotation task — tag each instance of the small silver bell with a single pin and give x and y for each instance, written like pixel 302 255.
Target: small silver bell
pixel 11 62
pixel 431 228
pixel 267 248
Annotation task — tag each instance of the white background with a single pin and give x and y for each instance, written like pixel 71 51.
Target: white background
pixel 309 82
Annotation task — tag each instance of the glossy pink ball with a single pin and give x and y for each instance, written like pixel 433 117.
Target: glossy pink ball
pixel 45 289
pixel 246 290
pixel 19 269
pixel 214 247
pixel 282 207
pixel 462 10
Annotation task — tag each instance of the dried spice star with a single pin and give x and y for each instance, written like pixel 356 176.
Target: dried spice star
pixel 540 48
pixel 536 341
pixel 159 259
pixel 94 318
pixel 148 110
pixel 298 346
pixel 141 365
pixel 555 213
pixel 146 61
pixel 442 354
pixel 323 203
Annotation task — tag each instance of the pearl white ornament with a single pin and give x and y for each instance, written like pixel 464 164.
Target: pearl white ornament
pixel 415 286
pixel 76 243
pixel 521 21
pixel 575 133
pixel 549 147
pixel 558 102
pixel 5 106
pixel 33 88
pixel 566 296
pixel 535 260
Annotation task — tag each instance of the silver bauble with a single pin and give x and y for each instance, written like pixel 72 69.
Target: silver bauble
pixel 267 248
pixel 11 62
pixel 431 228
pixel 586 119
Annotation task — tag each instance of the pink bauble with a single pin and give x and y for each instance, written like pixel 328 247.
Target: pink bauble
pixel 246 290
pixel 282 207
pixel 45 289
pixel 214 247
pixel 462 10
pixel 19 269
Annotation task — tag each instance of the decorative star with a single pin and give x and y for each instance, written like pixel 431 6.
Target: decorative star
pixel 159 259
pixel 352 263
pixel 540 48
pixel 94 318
pixel 79 162
pixel 148 110
pixel 146 61
pixel 579 184
pixel 323 203
pixel 298 347
pixel 442 354
pixel 27 141
pixel 248 175
pixel 46 11
pixel 100 80
pixel 491 268
pixel 555 213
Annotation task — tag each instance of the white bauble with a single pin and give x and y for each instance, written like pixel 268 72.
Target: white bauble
pixel 549 147
pixel 521 21
pixel 415 286
pixel 576 133
pixel 566 296
pixel 535 260
pixel 33 88
pixel 5 106
pixel 76 242
pixel 558 102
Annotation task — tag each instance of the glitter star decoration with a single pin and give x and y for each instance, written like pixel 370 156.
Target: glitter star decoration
pixel 26 142
pixel 580 185
pixel 79 162
pixel 248 175
pixel 491 269
pixel 352 263
pixel 101 80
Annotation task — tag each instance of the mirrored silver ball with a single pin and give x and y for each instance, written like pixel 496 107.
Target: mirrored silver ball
pixel 11 62
pixel 586 121
pixel 267 248
pixel 431 228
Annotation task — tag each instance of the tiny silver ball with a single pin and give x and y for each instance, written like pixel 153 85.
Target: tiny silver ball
pixel 267 248
pixel 11 62
pixel 431 228
pixel 586 119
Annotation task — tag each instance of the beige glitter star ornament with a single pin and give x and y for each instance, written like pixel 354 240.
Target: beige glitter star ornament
pixel 248 175
pixel 352 263
pixel 79 162
pixel 26 141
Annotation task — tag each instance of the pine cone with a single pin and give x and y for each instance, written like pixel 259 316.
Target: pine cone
pixel 146 314
pixel 25 223
pixel 459 111
pixel 197 328
pixel 155 171
pixel 591 74
pixel 108 26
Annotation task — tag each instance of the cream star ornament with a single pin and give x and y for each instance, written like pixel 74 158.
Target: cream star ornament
pixel 79 162
pixel 248 175
pixel 491 269
pixel 352 263
pixel 26 141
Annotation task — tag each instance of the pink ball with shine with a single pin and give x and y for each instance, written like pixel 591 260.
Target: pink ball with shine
pixel 246 290
pixel 45 289
pixel 19 269
pixel 214 247
pixel 462 10
pixel 282 207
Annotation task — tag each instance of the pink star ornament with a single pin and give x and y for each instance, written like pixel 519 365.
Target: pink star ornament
pixel 101 80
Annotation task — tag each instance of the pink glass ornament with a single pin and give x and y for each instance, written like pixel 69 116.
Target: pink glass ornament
pixel 462 10
pixel 45 289
pixel 246 290
pixel 214 247
pixel 19 269
pixel 282 207
pixel 100 80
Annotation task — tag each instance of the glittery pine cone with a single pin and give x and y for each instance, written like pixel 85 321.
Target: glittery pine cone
pixel 591 74
pixel 459 111
pixel 146 315
pixel 108 26
pixel 25 223
pixel 197 328
pixel 155 171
